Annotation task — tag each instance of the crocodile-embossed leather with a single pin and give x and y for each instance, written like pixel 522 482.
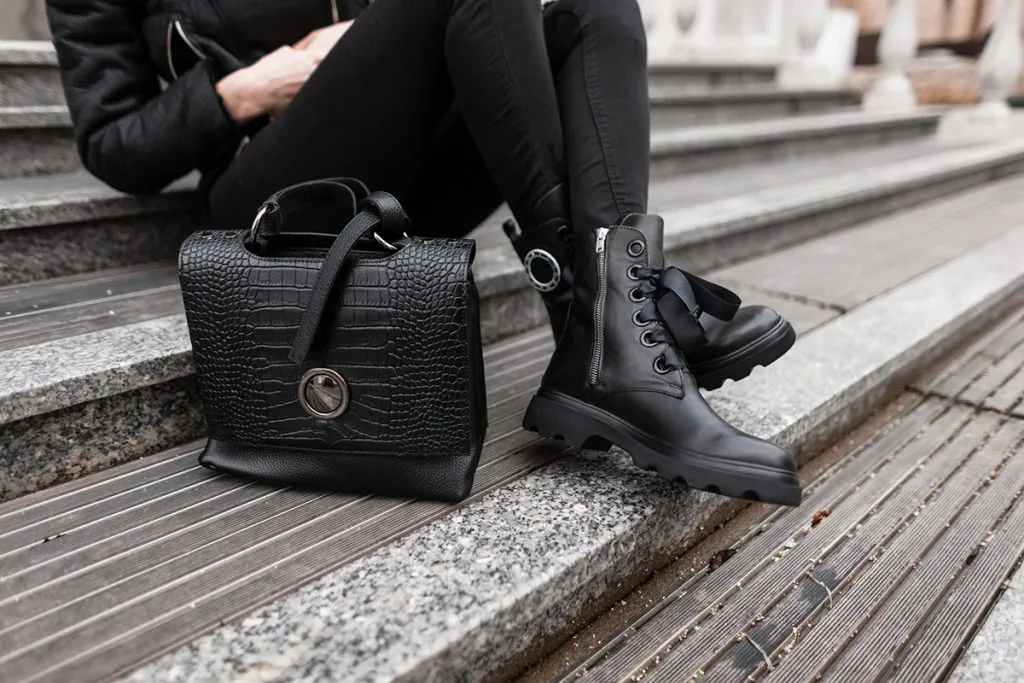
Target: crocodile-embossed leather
pixel 402 329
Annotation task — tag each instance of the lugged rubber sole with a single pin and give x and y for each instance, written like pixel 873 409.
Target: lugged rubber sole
pixel 763 351
pixel 580 425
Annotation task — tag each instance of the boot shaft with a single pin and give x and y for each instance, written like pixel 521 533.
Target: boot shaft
pixel 604 349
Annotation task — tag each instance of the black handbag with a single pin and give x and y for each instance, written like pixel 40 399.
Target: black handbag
pixel 343 360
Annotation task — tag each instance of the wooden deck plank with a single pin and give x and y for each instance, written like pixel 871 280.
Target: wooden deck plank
pixel 938 642
pixel 830 574
pixel 927 585
pixel 994 377
pixel 680 612
pixel 971 504
pixel 870 521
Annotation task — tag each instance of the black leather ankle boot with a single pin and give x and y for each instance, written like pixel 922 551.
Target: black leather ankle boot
pixel 757 335
pixel 619 375
pixel 545 248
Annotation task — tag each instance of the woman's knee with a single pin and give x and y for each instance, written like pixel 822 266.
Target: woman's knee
pixel 609 22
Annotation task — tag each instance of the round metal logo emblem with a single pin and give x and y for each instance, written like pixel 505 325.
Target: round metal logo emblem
pixel 323 393
pixel 543 270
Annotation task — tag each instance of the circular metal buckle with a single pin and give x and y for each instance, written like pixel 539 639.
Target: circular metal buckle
pixel 323 393
pixel 551 261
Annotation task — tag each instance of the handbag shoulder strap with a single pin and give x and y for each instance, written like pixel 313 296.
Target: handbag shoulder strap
pixel 382 212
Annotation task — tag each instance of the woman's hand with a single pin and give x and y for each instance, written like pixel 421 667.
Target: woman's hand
pixel 320 41
pixel 266 87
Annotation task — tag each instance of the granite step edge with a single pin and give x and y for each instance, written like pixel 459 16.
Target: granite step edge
pixel 521 564
pixel 69 198
pixel 710 136
pixel 40 116
pixel 27 53
pixel 729 218
pixel 667 96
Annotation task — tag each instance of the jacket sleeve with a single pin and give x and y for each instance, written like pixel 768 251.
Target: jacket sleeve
pixel 129 134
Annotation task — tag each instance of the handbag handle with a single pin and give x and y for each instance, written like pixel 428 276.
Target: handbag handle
pixel 340 196
pixel 380 212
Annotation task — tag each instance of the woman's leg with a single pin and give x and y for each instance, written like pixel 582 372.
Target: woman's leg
pixel 372 107
pixel 598 55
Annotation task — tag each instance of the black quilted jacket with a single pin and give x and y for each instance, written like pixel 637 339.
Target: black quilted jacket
pixel 139 77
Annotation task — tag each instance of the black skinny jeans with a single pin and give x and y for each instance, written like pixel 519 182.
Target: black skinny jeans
pixel 455 105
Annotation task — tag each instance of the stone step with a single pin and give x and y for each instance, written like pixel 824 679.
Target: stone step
pixel 710 76
pixel 711 147
pixel 28 74
pixel 65 224
pixel 161 571
pixel 36 140
pixel 674 106
pixel 95 227
pixel 126 365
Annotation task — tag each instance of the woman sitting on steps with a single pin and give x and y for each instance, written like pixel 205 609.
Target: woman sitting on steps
pixel 453 106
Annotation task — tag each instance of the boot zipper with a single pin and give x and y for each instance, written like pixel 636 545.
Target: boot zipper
pixel 602 291
pixel 175 25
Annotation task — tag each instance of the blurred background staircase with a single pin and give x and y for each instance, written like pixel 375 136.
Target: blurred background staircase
pixel 888 233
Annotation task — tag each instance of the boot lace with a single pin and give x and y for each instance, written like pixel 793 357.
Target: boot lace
pixel 673 302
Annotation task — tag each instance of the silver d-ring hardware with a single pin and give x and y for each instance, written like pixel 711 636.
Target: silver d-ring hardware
pixel 384 243
pixel 546 257
pixel 323 393
pixel 256 221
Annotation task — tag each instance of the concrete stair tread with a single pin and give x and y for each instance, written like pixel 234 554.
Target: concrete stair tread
pixel 889 249
pixel 747 132
pixel 122 362
pixel 65 307
pixel 120 567
pixel 42 116
pixel 76 197
pixel 676 95
pixel 27 52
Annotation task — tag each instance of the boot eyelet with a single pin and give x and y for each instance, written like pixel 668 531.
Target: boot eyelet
pixel 636 296
pixel 565 234
pixel 631 272
pixel 636 248
pixel 637 321
pixel 647 339
pixel 660 367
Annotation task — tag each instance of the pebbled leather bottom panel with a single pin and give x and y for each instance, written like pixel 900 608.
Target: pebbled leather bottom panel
pixel 443 477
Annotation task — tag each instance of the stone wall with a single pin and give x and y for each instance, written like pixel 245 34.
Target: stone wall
pixel 23 20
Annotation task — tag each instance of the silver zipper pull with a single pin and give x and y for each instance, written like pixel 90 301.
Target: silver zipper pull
pixel 602 237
